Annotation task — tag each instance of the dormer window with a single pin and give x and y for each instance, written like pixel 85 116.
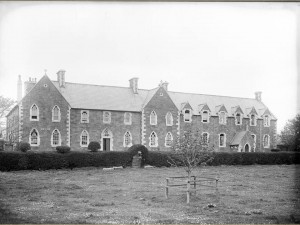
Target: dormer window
pixel 34 113
pixel 187 115
pixel 84 116
pixel 222 117
pixel 266 120
pixel 153 118
pixel 169 119
pixel 205 116
pixel 55 114
pixel 252 120
pixel 238 119
pixel 106 117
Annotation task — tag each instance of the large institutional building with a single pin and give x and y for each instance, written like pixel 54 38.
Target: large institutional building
pixel 54 113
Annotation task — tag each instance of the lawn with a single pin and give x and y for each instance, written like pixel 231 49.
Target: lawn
pixel 247 194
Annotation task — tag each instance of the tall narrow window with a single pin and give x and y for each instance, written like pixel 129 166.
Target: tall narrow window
pixel 153 118
pixel 187 115
pixel 106 117
pixel 84 139
pixel 254 139
pixel 252 120
pixel 168 140
pixel 238 119
pixel 127 118
pixel 266 120
pixel 205 116
pixel 205 138
pixel 153 140
pixel 127 139
pixel 56 114
pixel 169 119
pixel 34 113
pixel 55 138
pixel 266 141
pixel 34 139
pixel 222 117
pixel 84 116
pixel 222 140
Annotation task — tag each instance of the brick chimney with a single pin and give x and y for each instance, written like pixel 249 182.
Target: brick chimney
pixel 61 78
pixel 133 84
pixel 165 85
pixel 19 91
pixel 29 84
pixel 258 95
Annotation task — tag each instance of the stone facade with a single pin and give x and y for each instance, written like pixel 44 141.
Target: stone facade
pixel 46 94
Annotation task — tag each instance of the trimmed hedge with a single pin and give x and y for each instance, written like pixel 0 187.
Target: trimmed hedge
pixel 94 146
pixel 53 160
pixel 63 149
pixel 134 149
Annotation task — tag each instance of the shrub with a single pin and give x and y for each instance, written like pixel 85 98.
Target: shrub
pixel 63 149
pixel 23 146
pixel 134 149
pixel 94 146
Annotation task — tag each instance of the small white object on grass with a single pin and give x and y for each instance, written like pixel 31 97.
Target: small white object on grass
pixel 108 169
pixel 118 167
pixel 148 166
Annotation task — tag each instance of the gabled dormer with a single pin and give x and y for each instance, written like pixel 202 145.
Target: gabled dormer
pixel 238 113
pixel 222 112
pixel 267 117
pixel 252 114
pixel 187 111
pixel 205 112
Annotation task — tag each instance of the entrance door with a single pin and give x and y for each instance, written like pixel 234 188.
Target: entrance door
pixel 106 144
pixel 246 148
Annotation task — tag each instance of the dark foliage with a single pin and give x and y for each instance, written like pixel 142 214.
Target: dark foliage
pixel 290 135
pixel 94 146
pixel 63 149
pixel 23 146
pixel 134 149
pixel 52 160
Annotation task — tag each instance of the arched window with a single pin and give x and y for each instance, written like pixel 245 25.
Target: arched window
pixel 205 137
pixel 56 114
pixel 222 140
pixel 238 119
pixel 153 140
pixel 106 117
pixel 84 139
pixel 153 118
pixel 55 138
pixel 205 116
pixel 127 118
pixel 266 141
pixel 252 120
pixel 34 138
pixel 266 120
pixel 168 139
pixel 187 115
pixel 84 116
pixel 222 117
pixel 34 113
pixel 127 139
pixel 169 119
pixel 254 139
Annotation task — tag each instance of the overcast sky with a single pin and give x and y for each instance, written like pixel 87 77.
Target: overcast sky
pixel 231 49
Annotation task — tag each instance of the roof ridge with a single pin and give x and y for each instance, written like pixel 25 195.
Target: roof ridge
pixel 210 95
pixel 101 85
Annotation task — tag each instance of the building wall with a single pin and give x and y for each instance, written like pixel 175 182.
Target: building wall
pixel 95 127
pixel 161 105
pixel 45 96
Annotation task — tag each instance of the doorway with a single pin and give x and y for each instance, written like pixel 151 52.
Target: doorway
pixel 106 140
pixel 106 144
pixel 247 148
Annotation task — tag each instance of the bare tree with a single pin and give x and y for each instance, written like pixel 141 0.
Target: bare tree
pixel 190 151
pixel 5 105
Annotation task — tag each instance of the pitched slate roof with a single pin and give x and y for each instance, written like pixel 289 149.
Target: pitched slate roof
pixel 87 96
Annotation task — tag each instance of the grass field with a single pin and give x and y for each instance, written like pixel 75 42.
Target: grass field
pixel 247 194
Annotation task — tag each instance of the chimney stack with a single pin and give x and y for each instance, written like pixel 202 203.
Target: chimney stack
pixel 258 96
pixel 133 83
pixel 61 78
pixel 165 85
pixel 19 91
pixel 29 84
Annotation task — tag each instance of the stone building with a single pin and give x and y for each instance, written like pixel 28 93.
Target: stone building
pixel 54 113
